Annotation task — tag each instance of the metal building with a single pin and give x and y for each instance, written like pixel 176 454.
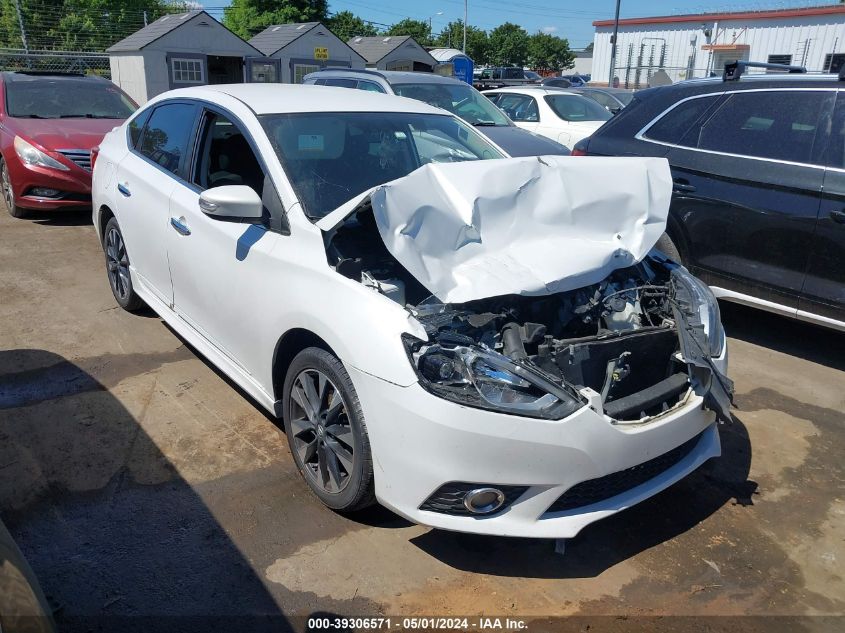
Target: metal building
pixel 696 45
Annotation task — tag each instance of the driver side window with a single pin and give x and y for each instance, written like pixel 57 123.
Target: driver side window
pixel 225 157
pixel 520 108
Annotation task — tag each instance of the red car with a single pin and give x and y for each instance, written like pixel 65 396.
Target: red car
pixel 48 125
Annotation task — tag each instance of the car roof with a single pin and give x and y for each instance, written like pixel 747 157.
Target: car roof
pixel 552 90
pixel 270 98
pixel 390 76
pixel 761 80
pixel 16 76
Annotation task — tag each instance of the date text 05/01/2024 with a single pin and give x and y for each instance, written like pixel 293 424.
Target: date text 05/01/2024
pixel 417 623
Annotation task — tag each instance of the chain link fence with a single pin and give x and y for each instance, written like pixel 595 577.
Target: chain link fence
pixel 55 61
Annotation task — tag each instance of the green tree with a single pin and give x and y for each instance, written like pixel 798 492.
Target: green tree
pixel 478 46
pixel 248 17
pixel 76 25
pixel 347 25
pixel 418 29
pixel 508 45
pixel 549 52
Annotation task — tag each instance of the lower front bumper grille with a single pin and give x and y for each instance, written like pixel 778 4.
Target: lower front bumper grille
pixel 449 498
pixel 594 490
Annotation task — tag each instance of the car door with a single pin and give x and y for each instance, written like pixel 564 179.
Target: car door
pixel 216 263
pixel 145 179
pixel 747 184
pixel 824 286
pixel 522 110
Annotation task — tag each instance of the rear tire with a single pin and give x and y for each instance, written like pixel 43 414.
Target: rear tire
pixel 117 268
pixel 668 248
pixel 326 431
pixel 8 193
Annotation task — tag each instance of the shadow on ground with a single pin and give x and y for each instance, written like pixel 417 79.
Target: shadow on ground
pixel 113 533
pixel 814 343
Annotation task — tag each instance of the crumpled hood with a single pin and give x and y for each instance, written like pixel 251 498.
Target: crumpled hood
pixel 526 226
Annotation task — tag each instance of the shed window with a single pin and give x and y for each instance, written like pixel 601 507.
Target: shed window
pixel 300 70
pixel 187 71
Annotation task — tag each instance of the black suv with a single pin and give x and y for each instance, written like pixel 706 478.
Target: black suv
pixel 758 164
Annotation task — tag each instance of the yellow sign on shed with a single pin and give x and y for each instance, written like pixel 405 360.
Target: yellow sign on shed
pixel 321 53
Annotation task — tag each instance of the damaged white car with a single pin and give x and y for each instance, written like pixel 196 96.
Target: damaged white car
pixel 479 345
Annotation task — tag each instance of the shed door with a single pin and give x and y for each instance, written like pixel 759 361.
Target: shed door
pixel 263 70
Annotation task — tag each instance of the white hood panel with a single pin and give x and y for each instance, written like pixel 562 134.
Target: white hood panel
pixel 528 226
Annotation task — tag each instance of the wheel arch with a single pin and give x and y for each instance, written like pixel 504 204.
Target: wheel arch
pixel 287 347
pixel 676 232
pixel 104 214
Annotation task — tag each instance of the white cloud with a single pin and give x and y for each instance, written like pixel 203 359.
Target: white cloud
pixel 549 29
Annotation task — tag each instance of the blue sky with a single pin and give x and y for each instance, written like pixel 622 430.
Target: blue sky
pixel 566 18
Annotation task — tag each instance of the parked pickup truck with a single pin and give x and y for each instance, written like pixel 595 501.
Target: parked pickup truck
pixel 490 78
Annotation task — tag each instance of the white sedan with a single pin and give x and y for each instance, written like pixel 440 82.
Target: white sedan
pixel 565 117
pixel 456 338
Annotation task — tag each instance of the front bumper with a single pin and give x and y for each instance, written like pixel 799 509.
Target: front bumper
pixel 421 442
pixel 74 185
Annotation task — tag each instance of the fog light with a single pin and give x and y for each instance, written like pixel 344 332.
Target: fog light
pixel 484 500
pixel 44 192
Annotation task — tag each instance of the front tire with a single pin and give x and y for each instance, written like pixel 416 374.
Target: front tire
pixel 8 193
pixel 326 431
pixel 117 268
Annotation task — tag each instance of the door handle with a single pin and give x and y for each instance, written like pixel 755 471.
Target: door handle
pixel 124 190
pixel 838 216
pixel 681 185
pixel 180 225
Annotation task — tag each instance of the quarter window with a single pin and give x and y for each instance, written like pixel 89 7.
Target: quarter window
pixel 187 71
pixel 369 86
pixel 780 125
pixel 675 125
pixel 165 138
pixel 136 126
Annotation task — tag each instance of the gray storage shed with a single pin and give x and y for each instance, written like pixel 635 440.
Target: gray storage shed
pixel 393 52
pixel 293 50
pixel 176 51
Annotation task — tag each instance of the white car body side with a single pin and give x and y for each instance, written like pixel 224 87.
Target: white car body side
pixel 550 124
pixel 237 291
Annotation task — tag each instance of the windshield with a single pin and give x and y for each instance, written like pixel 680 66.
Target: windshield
pixel 63 98
pixel 459 99
pixel 330 157
pixel 575 108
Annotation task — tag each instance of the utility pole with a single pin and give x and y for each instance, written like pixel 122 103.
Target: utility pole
pixel 464 49
pixel 613 45
pixel 23 30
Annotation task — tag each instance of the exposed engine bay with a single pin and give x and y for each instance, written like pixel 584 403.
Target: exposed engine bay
pixel 632 346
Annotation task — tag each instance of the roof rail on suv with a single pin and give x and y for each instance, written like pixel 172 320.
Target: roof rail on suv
pixel 734 70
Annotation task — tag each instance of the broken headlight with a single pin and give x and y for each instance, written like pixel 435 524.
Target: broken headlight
pixel 478 377
pixel 707 306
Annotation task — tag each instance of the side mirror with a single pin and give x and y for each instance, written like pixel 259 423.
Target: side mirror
pixel 231 201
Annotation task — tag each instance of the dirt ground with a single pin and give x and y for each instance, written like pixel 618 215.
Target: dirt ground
pixel 139 482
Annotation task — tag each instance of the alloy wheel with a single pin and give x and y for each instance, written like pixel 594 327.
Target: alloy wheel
pixel 117 263
pixel 322 432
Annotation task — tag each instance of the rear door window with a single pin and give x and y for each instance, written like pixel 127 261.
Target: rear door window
pixel 369 86
pixel 339 82
pixel 780 125
pixel 676 124
pixel 167 134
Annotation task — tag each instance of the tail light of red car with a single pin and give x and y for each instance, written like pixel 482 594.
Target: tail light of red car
pixel 95 151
